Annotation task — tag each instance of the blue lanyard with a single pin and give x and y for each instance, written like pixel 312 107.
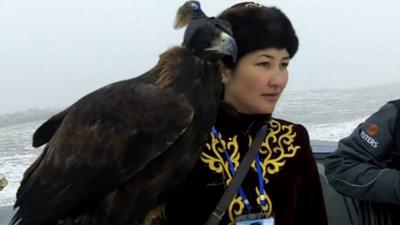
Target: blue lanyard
pixel 232 170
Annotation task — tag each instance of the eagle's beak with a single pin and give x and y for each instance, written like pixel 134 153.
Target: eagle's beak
pixel 225 45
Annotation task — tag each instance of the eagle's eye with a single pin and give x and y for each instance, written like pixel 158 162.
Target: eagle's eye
pixel 195 7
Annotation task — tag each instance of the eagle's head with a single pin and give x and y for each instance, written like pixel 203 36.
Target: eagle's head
pixel 207 37
pixel 211 38
pixel 188 11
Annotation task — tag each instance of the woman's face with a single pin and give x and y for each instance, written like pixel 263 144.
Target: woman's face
pixel 257 81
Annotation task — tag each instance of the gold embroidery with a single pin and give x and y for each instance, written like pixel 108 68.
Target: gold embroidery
pixel 253 4
pixel 215 155
pixel 276 148
pixel 281 138
pixel 235 208
pixel 268 206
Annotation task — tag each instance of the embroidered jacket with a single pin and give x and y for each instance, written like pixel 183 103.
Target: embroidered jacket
pixel 291 181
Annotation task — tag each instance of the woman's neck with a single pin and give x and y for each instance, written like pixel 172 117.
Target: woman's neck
pixel 230 119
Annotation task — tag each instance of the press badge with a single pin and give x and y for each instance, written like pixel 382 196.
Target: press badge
pixel 255 219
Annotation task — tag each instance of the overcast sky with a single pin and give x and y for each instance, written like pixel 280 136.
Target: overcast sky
pixel 52 52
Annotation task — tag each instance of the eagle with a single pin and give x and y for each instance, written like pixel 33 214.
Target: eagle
pixel 117 154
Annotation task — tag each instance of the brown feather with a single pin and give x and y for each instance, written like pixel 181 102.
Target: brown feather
pixel 183 17
pixel 169 60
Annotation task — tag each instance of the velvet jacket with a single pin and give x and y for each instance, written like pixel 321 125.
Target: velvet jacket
pixel 291 180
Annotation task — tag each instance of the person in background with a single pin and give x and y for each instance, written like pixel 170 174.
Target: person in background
pixel 283 182
pixel 366 164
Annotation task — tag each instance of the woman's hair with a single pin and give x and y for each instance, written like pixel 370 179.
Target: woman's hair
pixel 257 27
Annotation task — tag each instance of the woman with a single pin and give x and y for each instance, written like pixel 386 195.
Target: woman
pixel 288 191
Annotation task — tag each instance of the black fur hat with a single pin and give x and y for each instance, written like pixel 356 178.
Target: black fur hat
pixel 256 27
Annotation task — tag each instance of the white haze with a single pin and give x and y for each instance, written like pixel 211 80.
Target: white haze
pixel 54 52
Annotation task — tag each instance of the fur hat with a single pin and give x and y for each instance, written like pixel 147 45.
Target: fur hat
pixel 256 27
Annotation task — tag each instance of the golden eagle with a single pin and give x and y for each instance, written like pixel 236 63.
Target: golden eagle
pixel 118 153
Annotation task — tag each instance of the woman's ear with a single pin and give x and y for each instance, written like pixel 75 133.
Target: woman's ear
pixel 226 74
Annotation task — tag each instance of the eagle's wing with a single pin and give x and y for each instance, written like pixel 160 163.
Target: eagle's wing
pixel 106 138
pixel 46 131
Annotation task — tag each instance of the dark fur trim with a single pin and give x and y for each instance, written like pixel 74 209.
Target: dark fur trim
pixel 261 27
